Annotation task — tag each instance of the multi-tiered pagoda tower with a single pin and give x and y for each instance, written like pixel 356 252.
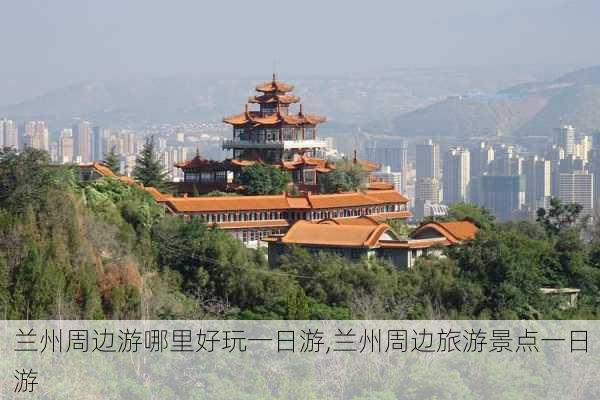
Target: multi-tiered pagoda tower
pixel 274 134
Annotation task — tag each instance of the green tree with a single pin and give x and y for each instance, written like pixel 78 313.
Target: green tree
pixel 510 268
pixel 466 211
pixel 112 161
pixel 261 179
pixel 148 169
pixel 559 216
pixel 347 177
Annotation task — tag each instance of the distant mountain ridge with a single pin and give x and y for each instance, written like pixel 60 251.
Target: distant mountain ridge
pixel 350 102
pixel 525 109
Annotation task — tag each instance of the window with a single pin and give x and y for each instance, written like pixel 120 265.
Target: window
pixel 221 176
pixel 206 177
pixel 289 133
pixel 310 177
pixel 272 135
pixel 239 133
pixel 309 132
pixel 191 177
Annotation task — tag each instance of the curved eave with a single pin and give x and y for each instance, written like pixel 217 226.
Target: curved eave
pixel 267 99
pixel 270 87
pixel 243 119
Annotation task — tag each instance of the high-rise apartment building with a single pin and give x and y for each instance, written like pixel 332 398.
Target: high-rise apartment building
pixel 428 160
pixel 564 136
pixel 506 161
pixel 100 143
pixel 9 132
pixel 427 192
pixel 389 152
pixel 35 134
pixel 82 141
pixel 538 181
pixel 482 156
pixel 594 166
pixel 456 175
pixel 65 146
pixel 578 187
pixel 504 196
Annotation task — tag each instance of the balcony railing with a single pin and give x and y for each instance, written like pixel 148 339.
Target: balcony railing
pixel 286 144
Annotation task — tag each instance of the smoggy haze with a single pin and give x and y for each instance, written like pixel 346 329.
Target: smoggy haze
pixel 51 44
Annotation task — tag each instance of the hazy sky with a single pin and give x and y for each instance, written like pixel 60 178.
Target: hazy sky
pixel 47 44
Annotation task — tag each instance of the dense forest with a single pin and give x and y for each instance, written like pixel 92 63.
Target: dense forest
pixel 106 250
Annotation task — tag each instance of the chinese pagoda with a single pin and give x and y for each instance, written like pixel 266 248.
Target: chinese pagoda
pixel 272 135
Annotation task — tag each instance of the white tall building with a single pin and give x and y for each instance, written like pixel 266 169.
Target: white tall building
pixel 65 146
pixel 427 192
pixel 82 141
pixel 100 143
pixel 578 187
pixel 565 137
pixel 428 160
pixel 538 181
pixel 35 135
pixel 456 175
pixel 10 135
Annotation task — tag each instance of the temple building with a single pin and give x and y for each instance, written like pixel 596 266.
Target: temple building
pixel 253 218
pixel 271 135
pixel 366 237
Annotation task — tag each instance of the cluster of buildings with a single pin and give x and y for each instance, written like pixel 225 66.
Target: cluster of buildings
pixel 352 225
pixel 84 143
pixel 512 180
pixel 269 132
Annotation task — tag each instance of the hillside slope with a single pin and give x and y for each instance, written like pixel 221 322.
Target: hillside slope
pixel 527 109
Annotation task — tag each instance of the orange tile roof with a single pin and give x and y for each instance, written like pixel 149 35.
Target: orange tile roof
pixel 352 232
pixel 274 86
pixel 283 202
pixel 454 232
pixel 308 233
pixel 298 202
pixel 320 164
pixel 353 199
pixel 364 220
pixel 384 216
pixel 380 186
pixel 255 117
pixel 274 98
pixel 127 180
pixel 228 203
pixel 100 168
pixel 387 196
pixel 156 195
